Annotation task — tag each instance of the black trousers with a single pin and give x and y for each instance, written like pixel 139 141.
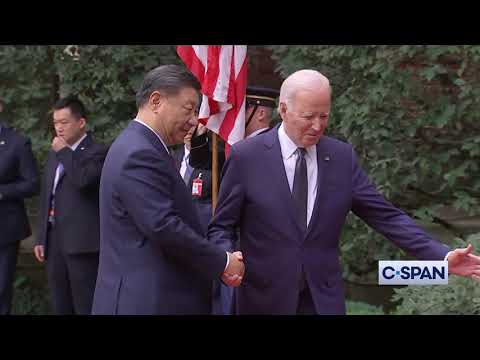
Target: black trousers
pixel 71 278
pixel 8 262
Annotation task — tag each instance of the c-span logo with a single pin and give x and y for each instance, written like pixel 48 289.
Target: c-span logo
pixel 412 272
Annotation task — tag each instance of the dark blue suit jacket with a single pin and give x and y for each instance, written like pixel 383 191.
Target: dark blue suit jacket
pixel 255 196
pixel 153 258
pixel 19 179
pixel 76 198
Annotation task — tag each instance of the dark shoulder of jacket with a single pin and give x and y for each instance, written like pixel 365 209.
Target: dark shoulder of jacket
pixel 96 148
pixel 15 134
pixel 248 148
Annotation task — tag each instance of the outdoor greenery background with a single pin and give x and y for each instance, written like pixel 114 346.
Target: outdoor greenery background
pixel 410 111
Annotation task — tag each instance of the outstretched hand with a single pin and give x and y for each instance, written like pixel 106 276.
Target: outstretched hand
pixel 463 263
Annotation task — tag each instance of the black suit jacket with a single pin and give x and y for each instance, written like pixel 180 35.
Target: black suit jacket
pixel 19 179
pixel 76 197
pixel 201 152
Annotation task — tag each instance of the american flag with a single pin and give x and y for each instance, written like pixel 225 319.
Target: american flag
pixel 222 71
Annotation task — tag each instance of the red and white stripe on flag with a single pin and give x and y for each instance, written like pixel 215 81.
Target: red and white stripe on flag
pixel 222 71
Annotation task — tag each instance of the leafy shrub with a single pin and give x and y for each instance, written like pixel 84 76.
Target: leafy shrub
pixel 411 112
pixel 460 297
pixel 29 300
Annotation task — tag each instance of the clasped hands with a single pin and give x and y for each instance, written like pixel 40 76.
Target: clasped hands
pixel 235 270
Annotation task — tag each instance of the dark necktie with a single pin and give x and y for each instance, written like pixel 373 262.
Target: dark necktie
pixel 300 187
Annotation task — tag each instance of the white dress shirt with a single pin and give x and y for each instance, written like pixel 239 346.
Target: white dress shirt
pixel 289 155
pixel 183 166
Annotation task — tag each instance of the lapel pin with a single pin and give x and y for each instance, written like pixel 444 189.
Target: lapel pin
pixel 2 142
pixel 326 158
pixel 82 148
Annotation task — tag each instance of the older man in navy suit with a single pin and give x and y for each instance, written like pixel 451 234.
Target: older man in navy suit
pixel 19 179
pixel 154 258
pixel 290 221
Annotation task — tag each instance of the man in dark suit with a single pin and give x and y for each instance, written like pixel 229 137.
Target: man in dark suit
pixel 19 179
pixel 153 256
pixel 68 228
pixel 198 180
pixel 260 103
pixel 290 190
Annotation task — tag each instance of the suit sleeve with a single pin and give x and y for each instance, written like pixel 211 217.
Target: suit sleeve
pixel 28 183
pixel 83 167
pixel 394 224
pixel 146 188
pixel 41 233
pixel 222 230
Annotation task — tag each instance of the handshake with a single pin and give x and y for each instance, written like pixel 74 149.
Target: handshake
pixel 235 270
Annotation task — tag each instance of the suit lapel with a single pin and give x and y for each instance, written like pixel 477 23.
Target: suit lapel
pixel 153 139
pixel 323 161
pixel 278 174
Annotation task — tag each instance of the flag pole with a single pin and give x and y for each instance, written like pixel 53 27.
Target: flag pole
pixel 214 171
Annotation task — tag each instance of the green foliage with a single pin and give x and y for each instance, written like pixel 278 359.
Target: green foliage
pixel 27 75
pixel 360 308
pixel 460 297
pixel 411 112
pixel 360 250
pixel 105 78
pixel 29 300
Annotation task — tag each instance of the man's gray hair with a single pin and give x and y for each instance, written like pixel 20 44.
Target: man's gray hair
pixel 168 79
pixel 302 80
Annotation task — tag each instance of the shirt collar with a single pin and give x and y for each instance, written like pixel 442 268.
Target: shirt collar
pixel 256 132
pixel 288 147
pixel 74 146
pixel 186 151
pixel 141 122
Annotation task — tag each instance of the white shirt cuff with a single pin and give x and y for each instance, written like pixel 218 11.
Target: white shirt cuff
pixel 446 256
pixel 228 262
